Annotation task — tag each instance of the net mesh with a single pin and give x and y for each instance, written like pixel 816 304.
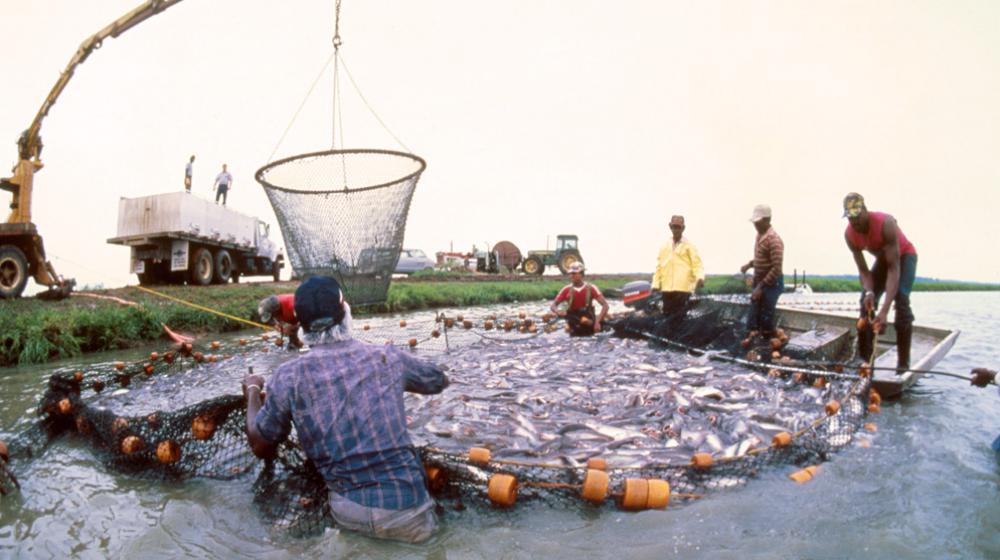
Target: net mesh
pixel 343 214
pixel 206 438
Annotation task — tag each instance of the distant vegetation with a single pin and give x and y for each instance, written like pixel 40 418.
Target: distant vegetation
pixel 33 331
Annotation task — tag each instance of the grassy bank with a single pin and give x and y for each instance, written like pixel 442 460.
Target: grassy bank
pixel 34 331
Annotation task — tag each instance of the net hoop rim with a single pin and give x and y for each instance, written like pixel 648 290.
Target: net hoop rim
pixel 259 175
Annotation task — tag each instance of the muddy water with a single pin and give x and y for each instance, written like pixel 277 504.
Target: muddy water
pixel 928 487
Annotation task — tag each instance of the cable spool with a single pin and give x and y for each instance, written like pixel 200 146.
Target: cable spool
pixel 595 486
pixel 502 490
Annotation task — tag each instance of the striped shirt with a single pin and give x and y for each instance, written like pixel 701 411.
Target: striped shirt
pixel 346 402
pixel 769 252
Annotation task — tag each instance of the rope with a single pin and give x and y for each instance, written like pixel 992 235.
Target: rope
pixel 206 309
pixel 371 109
pixel 301 105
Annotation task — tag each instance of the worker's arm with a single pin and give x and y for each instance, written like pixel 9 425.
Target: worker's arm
pixel 657 283
pixel 260 445
pixel 697 270
pixel 890 252
pixel 561 297
pixel 419 376
pixel 864 274
pixel 604 309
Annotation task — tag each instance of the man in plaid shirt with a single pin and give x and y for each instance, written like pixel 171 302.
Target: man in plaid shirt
pixel 345 399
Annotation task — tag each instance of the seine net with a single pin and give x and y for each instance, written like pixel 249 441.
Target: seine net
pixel 343 214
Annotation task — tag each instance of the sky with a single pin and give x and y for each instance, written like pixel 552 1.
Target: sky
pixel 535 118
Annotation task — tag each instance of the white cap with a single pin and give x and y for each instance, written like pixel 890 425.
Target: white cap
pixel 576 267
pixel 760 212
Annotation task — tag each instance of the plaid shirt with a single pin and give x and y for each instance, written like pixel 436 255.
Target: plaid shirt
pixel 346 401
pixel 769 252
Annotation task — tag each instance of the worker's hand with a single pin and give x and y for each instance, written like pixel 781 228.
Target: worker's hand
pixel 597 326
pixel 560 313
pixel 700 283
pixel 744 269
pixel 868 303
pixel 982 377
pixel 881 321
pixel 252 379
pixel 758 293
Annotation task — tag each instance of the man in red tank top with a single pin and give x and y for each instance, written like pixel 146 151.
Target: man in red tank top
pixel 279 311
pixel 579 308
pixel 892 274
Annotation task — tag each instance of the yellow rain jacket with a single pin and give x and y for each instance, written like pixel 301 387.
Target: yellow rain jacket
pixel 678 268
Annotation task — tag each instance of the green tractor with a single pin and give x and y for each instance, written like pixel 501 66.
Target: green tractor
pixel 567 252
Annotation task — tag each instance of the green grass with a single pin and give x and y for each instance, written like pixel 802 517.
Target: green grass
pixel 34 331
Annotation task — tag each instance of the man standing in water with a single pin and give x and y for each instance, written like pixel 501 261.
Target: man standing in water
pixel 893 273
pixel 678 270
pixel 768 279
pixel 222 183
pixel 579 307
pixel 345 399
pixel 188 175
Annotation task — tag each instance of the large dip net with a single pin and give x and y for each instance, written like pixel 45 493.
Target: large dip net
pixel 532 414
pixel 343 214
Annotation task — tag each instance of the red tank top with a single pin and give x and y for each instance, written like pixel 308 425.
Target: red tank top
pixel 873 242
pixel 287 314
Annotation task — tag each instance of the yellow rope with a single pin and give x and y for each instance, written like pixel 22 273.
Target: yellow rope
pixel 206 309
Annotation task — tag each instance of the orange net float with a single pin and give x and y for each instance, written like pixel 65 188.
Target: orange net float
pixel 502 490
pixel 202 427
pixel 243 342
pixel 402 324
pixel 97 385
pixel 168 452
pixel 119 365
pixel 437 478
pixel 65 406
pixel 132 444
pixel 773 373
pixel 459 317
pixel 862 324
pixel 804 475
pixel 479 455
pixel 597 463
pixel 659 494
pixel 467 325
pixel 595 486
pixel 874 408
pixel 449 323
pixel 78 376
pixel 702 461
pixel 366 327
pixel 784 439
pixel 488 325
pixel 148 368
pixel 820 383
pixel 832 408
pixel 871 427
pixel 435 333
pixel 635 494
pixel 874 397
pixel 413 343
pixel 4 452
pixel 153 356
pixel 775 355
pixel 120 424
pixel 776 343
pixel 865 371
pixel 215 345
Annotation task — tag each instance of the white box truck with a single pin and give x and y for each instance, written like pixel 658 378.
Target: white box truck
pixel 178 237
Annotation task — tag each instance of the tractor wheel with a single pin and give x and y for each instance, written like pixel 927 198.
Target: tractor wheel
pixel 223 266
pixel 13 272
pixel 567 259
pixel 533 265
pixel 202 267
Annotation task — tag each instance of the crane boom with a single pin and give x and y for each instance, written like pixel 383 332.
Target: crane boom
pixel 22 252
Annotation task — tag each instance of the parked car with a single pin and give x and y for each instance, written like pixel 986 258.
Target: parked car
pixel 412 260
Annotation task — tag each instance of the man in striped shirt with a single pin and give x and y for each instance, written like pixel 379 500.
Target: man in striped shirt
pixel 345 399
pixel 768 280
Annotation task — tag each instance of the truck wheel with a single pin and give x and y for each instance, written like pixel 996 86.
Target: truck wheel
pixel 223 266
pixel 13 272
pixel 202 267
pixel 533 265
pixel 567 259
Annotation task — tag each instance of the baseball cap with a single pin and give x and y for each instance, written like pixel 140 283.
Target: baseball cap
pixel 319 303
pixel 853 204
pixel 576 267
pixel 760 212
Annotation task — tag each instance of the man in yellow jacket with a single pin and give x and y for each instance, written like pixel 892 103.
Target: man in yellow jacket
pixel 678 270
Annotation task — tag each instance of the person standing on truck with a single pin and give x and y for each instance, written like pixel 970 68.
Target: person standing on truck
pixel 892 274
pixel 768 279
pixel 188 174
pixel 578 298
pixel 279 311
pixel 678 271
pixel 223 182
pixel 345 400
